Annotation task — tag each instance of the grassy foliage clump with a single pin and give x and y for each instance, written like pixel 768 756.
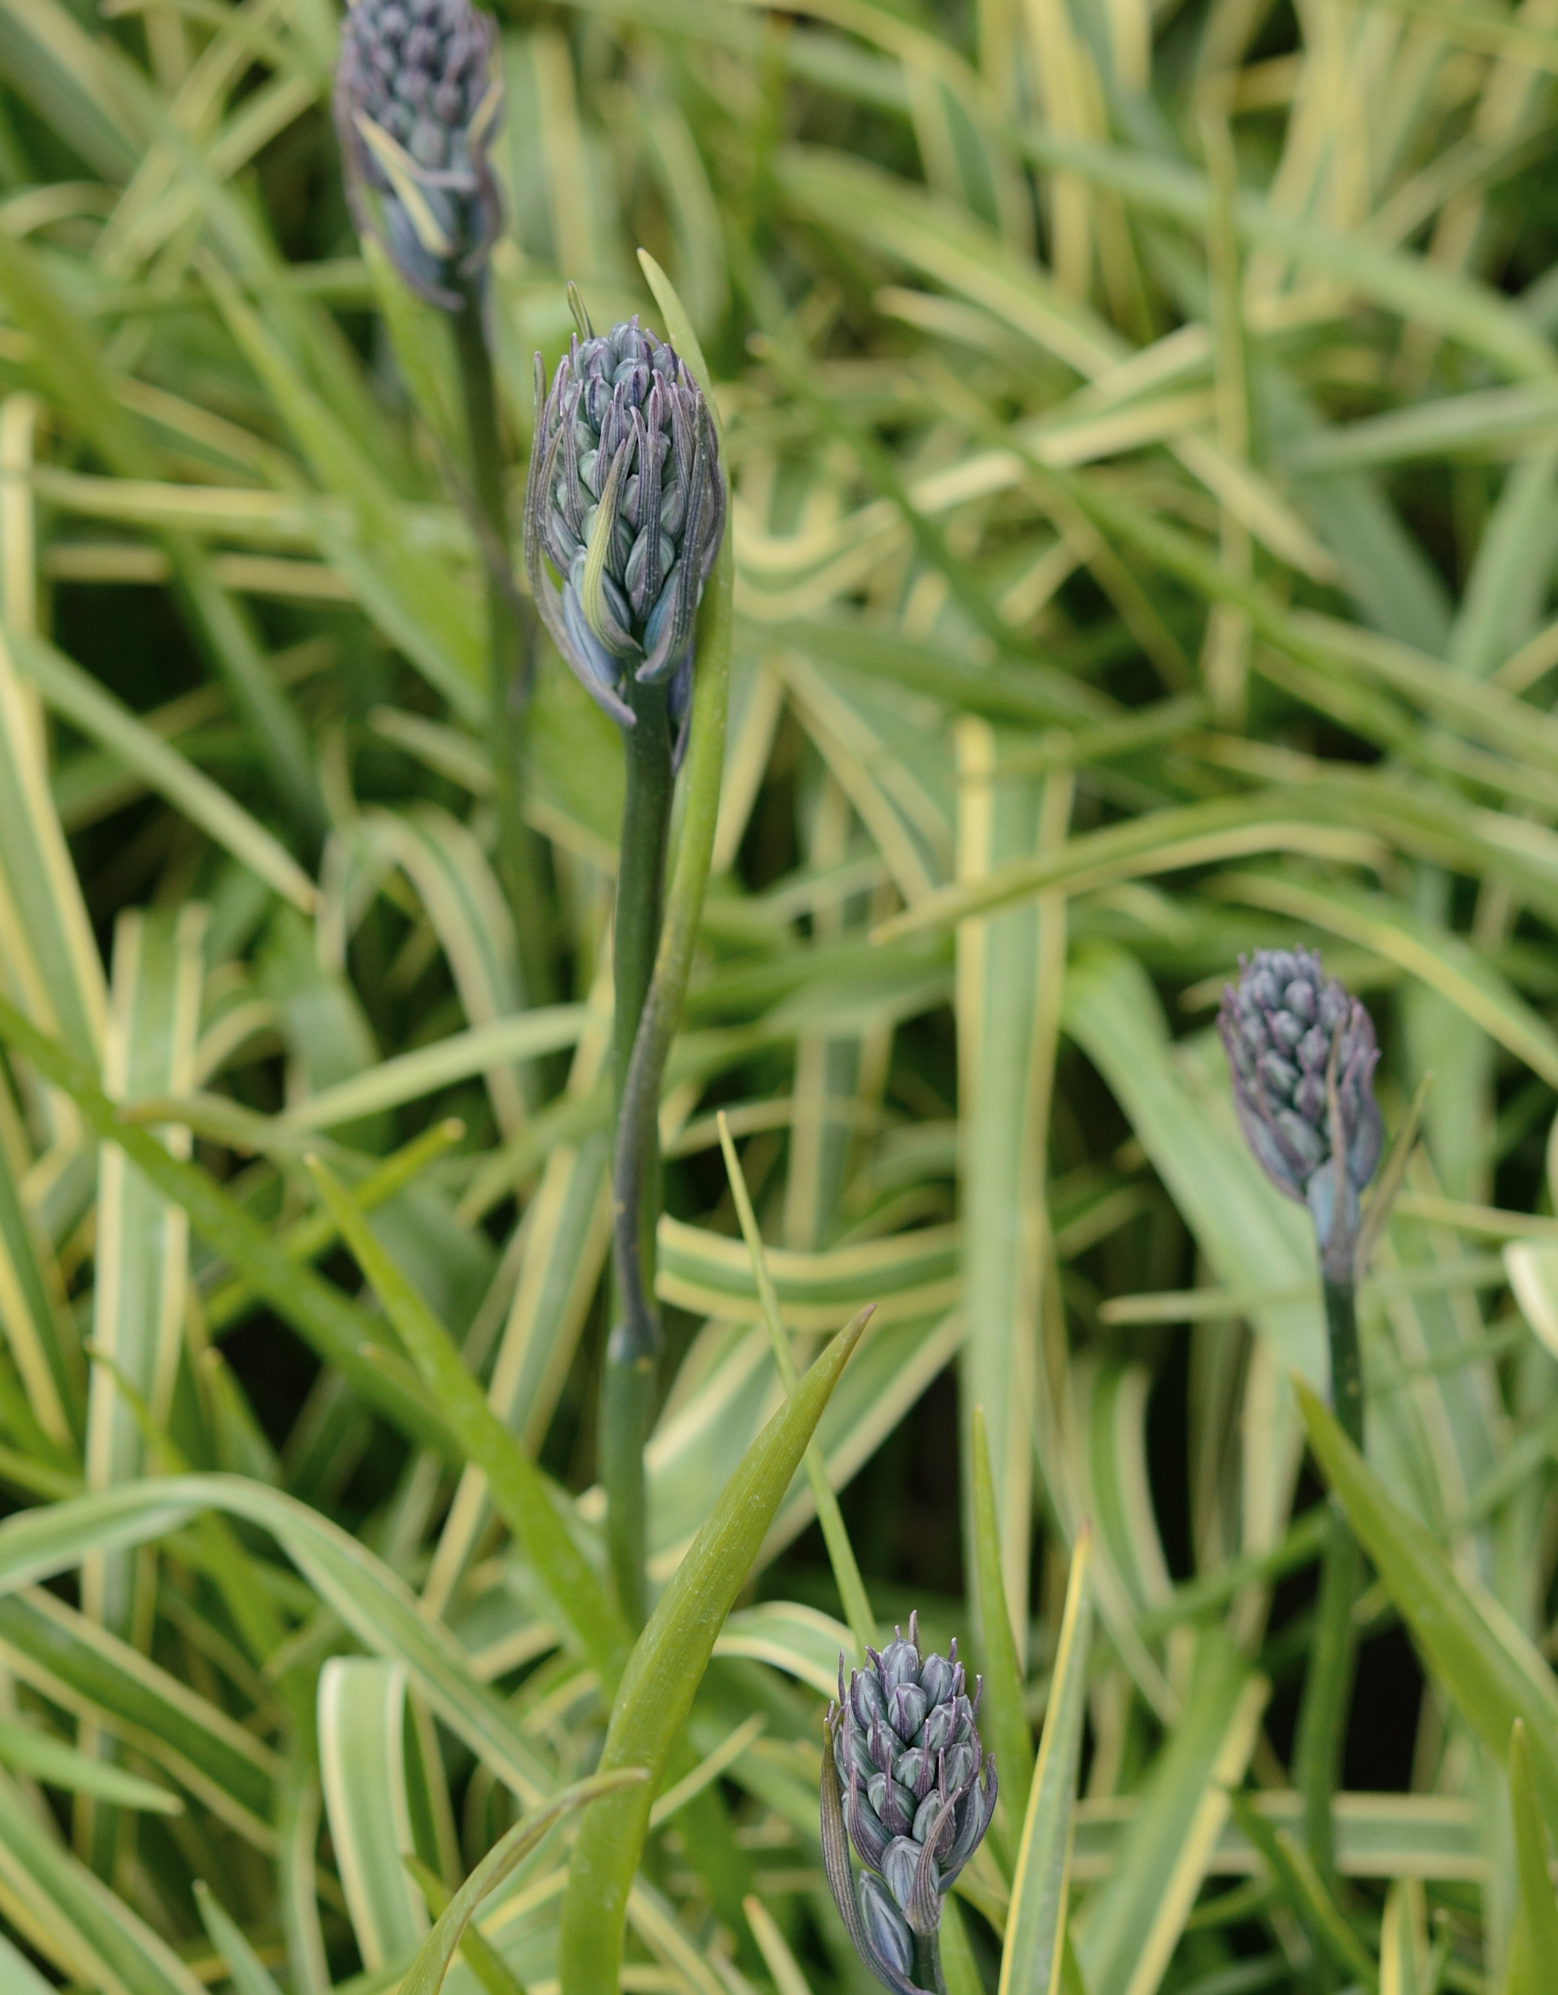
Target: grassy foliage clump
pixel 1143 498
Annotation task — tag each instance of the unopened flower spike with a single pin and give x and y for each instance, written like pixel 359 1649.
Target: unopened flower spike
pixel 417 105
pixel 905 1780
pixel 626 501
pixel 1302 1053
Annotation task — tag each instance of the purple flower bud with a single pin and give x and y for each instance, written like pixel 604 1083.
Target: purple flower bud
pixel 906 1707
pixel 626 502
pixel 1291 1033
pixel 887 1929
pixel 920 1797
pixel 417 105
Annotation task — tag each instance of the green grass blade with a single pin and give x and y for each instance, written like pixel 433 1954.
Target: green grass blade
pixel 846 1573
pixel 1533 1945
pixel 519 1493
pixel 1135 1921
pixel 1490 1669
pixel 1003 1714
pixel 1041 1880
pixel 427 1971
pixel 362 1719
pixel 249 1974
pixel 55 1764
pixel 337 1330
pixel 78 697
pixel 668 1662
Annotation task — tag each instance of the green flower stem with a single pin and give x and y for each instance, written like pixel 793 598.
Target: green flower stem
pixel 633 1349
pixel 927 1964
pixel 1322 1718
pixel 1341 1322
pixel 627 1388
pixel 511 623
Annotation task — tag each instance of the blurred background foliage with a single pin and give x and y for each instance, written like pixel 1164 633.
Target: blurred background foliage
pixel 1142 427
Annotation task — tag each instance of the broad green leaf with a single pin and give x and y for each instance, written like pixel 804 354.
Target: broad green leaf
pixel 17 1972
pixel 1041 1878
pixel 463 1054
pixel 835 1534
pixel 465 904
pixel 53 969
pixel 70 368
pixel 701 1440
pixel 1298 1882
pixel 32 1313
pixel 799 1640
pixel 1403 1951
pixel 1276 820
pixel 1111 1413
pixel 101 1680
pixel 912 1274
pixel 1381 1836
pixel 250 1977
pixel 560 1255
pixel 414 596
pixel 74 81
pixel 1411 286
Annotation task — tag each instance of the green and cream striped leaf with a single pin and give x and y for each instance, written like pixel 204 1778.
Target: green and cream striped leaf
pixel 142 1256
pixel 1131 1927
pixel 72 1918
pixel 362 1764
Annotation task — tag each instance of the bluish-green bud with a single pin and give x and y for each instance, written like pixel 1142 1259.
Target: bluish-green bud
pixel 626 501
pixel 417 103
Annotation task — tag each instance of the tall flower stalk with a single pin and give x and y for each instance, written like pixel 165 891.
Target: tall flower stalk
pixel 626 505
pixel 1302 1054
pixel 418 102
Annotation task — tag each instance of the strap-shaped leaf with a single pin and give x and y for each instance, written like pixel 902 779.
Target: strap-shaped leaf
pixel 1041 1879
pixel 362 1764
pixel 519 1492
pixel 1475 1650
pixel 667 1665
pixel 427 1971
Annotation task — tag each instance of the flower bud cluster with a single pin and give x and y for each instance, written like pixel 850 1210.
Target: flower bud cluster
pixel 1293 1035
pixel 906 1781
pixel 416 107
pixel 627 502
